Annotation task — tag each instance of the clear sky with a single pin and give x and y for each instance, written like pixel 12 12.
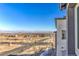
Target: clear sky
pixel 29 16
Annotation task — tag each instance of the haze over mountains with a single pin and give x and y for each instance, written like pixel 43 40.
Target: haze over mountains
pixel 4 31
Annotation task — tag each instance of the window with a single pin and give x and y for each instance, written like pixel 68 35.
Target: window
pixel 78 27
pixel 63 34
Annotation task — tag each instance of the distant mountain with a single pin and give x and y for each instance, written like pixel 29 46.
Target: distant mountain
pixel 2 31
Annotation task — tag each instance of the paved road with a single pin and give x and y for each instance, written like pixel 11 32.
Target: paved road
pixel 13 51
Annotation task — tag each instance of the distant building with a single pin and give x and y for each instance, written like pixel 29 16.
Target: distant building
pixel 61 42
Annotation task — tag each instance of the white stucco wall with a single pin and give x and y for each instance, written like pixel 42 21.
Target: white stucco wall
pixel 61 25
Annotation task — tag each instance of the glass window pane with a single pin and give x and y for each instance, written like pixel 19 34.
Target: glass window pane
pixel 78 26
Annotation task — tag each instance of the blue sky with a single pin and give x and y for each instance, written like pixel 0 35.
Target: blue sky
pixel 29 16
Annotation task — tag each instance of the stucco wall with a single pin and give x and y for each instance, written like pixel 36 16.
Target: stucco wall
pixel 61 43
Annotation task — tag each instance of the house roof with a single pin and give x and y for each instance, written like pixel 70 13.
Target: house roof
pixel 64 5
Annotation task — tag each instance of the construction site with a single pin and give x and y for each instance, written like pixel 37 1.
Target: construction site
pixel 28 44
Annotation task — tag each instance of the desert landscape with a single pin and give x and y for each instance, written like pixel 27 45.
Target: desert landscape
pixel 26 43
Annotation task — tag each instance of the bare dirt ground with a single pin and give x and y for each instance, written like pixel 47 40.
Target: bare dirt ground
pixel 32 45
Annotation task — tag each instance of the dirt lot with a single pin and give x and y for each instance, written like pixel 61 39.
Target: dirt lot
pixel 32 44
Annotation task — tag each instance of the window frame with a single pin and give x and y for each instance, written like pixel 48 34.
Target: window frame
pixel 63 34
pixel 76 29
